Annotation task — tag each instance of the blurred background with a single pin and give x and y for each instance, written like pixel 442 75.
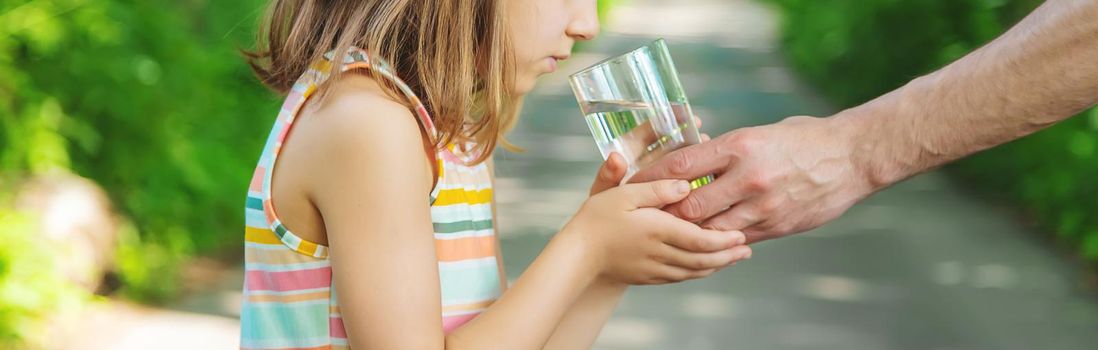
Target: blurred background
pixel 129 129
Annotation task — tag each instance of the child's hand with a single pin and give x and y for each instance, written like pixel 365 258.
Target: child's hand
pixel 610 174
pixel 629 240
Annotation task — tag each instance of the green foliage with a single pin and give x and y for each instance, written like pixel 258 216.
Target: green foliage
pixel 1052 174
pixel 31 287
pixel 859 49
pixel 151 101
pixel 855 50
pixel 604 7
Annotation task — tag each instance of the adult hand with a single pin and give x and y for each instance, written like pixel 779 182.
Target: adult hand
pixel 772 180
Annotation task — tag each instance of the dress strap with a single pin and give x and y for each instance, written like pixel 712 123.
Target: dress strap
pixel 357 58
pixel 305 87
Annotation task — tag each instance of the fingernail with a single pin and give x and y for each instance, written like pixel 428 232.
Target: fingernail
pixel 682 187
pixel 746 256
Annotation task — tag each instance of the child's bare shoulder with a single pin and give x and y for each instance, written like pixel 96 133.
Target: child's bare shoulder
pixel 358 128
pixel 358 108
pixel 343 148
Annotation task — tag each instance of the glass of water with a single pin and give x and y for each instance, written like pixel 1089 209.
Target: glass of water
pixel 636 106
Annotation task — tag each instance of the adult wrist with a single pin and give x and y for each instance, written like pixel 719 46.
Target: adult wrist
pixel 863 134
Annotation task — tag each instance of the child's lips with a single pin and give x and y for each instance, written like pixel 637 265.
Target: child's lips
pixel 554 61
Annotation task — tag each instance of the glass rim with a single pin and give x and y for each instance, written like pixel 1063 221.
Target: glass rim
pixel 649 45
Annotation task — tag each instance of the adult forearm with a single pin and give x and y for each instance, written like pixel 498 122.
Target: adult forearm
pixel 1040 72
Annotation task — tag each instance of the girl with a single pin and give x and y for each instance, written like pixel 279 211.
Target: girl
pixel 369 217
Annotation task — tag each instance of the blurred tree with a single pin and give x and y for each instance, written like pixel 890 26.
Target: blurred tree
pixel 148 99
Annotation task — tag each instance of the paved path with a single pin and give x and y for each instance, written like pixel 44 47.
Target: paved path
pixel 920 266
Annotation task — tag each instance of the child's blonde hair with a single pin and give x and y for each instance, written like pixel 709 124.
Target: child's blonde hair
pixel 454 54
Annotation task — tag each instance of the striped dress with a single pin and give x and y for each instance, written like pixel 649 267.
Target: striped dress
pixel 289 300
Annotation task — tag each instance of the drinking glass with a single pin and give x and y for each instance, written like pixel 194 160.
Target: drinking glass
pixel 635 105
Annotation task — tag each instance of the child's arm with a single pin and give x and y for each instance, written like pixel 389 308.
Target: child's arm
pixel 371 186
pixel 585 318
pixel 372 181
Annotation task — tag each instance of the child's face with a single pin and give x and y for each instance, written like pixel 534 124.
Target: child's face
pixel 543 32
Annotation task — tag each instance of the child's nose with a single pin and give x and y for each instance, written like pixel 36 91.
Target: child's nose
pixel 585 21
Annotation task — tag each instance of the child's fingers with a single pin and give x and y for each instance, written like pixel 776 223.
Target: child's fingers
pixel 610 174
pixel 656 194
pixel 688 237
pixel 673 274
pixel 704 261
pixel 705 137
pixel 703 273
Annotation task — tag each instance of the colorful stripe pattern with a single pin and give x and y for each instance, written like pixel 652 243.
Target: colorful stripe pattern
pixel 289 301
